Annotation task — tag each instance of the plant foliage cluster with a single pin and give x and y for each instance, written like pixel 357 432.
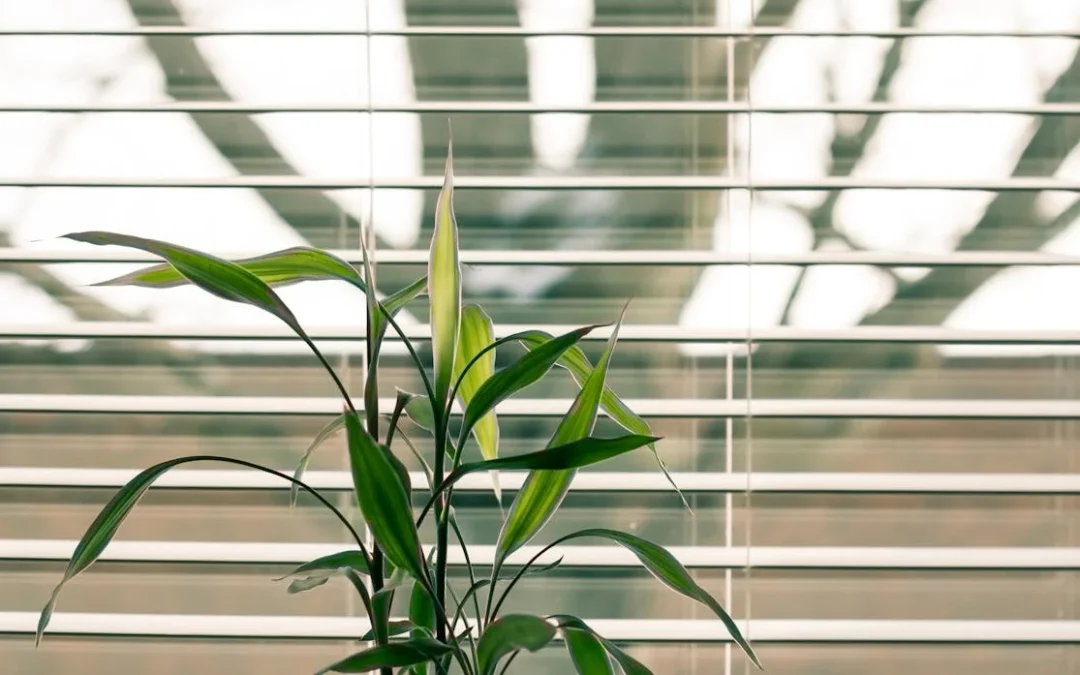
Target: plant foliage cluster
pixel 442 629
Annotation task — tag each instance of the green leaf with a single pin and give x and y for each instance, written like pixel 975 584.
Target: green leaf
pixel 575 361
pixel 393 655
pixel 394 629
pixel 280 268
pixel 421 413
pixel 528 369
pixel 477 334
pixel 218 277
pixel 573 455
pixel 544 491
pixel 509 634
pixel 628 664
pixel 422 615
pixel 119 507
pixel 320 570
pixel 381 602
pixel 332 427
pixel 374 340
pixel 587 652
pixel 444 288
pixel 383 499
pixel 665 567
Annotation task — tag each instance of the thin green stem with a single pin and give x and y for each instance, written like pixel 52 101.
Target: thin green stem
pixel 490 616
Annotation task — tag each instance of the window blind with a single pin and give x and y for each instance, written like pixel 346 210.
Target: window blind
pixel 849 229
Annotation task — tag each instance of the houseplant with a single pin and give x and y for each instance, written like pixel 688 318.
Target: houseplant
pixel 439 631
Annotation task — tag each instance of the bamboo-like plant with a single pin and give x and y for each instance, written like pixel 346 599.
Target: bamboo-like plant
pixel 438 632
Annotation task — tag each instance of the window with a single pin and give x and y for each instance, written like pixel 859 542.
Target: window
pixel 850 229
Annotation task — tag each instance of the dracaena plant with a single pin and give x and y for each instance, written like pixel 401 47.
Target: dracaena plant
pixel 443 630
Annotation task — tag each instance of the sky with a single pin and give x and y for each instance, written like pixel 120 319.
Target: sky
pixel 561 70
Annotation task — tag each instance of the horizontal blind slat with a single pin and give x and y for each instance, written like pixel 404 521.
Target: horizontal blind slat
pixel 551 183
pixel 761 631
pixel 630 333
pixel 669 408
pixel 589 481
pixel 995 559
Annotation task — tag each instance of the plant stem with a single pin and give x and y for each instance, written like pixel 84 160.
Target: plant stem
pixel 441 519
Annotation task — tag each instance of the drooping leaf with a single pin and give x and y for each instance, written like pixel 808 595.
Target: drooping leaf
pixel 395 628
pixel 393 655
pixel 318 571
pixel 422 615
pixel 280 268
pixel 332 427
pixel 444 287
pixel 509 634
pixel 218 277
pixel 573 455
pixel 115 512
pixel 587 652
pixel 544 491
pixel 478 333
pixel 665 567
pixel 420 412
pixel 383 499
pixel 528 369
pixel 628 664
pixel 580 368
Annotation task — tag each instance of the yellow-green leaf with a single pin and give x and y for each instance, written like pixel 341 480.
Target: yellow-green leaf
pixel 478 333
pixel 444 288
pixel 544 491
pixel 280 268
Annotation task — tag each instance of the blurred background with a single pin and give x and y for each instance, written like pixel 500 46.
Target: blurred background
pixel 909 176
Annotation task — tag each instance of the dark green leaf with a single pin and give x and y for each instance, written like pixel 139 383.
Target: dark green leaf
pixel 112 516
pixel 573 455
pixel 665 567
pixel 509 634
pixel 381 602
pixel 628 664
pixel 218 277
pixel 383 499
pixel 422 615
pixel 444 287
pixel 393 655
pixel 575 361
pixel 280 268
pixel 528 369
pixel 394 629
pixel 544 491
pixel 333 426
pixel 587 653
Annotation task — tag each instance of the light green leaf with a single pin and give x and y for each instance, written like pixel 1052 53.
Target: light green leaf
pixel 371 384
pixel 575 361
pixel 477 334
pixel 665 567
pixel 509 634
pixel 383 499
pixel 218 277
pixel 628 664
pixel 280 268
pixel 308 583
pixel 544 491
pixel 419 410
pixel 393 655
pixel 528 369
pixel 444 288
pixel 332 427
